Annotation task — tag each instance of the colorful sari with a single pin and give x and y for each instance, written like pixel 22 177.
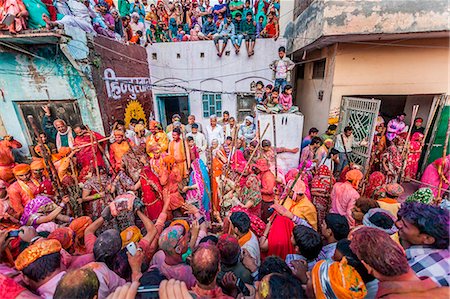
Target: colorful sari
pixel 321 186
pixel 37 207
pixel 378 147
pixel 415 150
pixel 172 189
pixel 375 182
pixel 201 195
pixel 252 192
pixel 431 175
pixel 393 158
pixel 218 161
pixel 94 208
pixel 151 193
pixel 256 224
pixel 131 162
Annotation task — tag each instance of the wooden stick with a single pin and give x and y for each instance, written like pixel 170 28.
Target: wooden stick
pixel 259 131
pixel 253 154
pixel 405 150
pixel 97 171
pixel 94 143
pixel 186 152
pixel 275 145
pixel 108 160
pixel 428 185
pixel 444 154
pixel 287 192
pixel 429 121
pixel 48 161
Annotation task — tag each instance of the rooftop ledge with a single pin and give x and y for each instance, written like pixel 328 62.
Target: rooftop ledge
pixel 337 18
pixel 32 37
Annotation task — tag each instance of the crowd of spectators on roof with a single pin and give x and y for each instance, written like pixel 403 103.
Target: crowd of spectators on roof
pixel 146 22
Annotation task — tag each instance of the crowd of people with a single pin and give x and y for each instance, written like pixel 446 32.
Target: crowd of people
pixel 198 211
pixel 146 22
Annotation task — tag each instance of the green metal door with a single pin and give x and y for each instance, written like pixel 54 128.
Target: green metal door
pixel 439 139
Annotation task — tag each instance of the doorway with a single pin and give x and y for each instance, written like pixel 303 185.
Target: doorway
pixel 171 104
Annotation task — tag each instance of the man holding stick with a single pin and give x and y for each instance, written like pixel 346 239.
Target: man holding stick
pixel 88 154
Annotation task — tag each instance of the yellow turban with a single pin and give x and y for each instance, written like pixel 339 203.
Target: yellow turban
pixel 130 234
pixel 37 164
pixel 342 280
pixel 36 251
pixel 21 169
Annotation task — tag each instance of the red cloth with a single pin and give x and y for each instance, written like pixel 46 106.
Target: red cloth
pixel 279 237
pixel 7 159
pixel 46 187
pixel 151 193
pixel 268 183
pixel 85 156
pixel 51 9
pixel 9 289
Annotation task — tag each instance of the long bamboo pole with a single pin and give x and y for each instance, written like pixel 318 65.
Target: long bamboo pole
pixel 405 150
pixel 48 160
pixel 94 156
pixel 275 145
pixel 444 154
pixel 253 154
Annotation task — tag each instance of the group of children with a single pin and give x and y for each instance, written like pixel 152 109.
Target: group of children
pixel 269 99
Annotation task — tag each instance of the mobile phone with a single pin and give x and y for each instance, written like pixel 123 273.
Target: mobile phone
pixel 14 233
pixel 132 248
pixel 242 287
pixel 147 292
pixel 201 220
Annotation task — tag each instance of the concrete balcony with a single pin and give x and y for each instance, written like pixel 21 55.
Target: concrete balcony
pixel 326 22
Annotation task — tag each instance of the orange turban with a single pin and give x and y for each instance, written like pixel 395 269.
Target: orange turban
pixel 64 235
pixel 354 176
pixel 36 251
pixel 169 160
pixel 37 164
pixel 153 124
pixel 21 169
pixel 130 234
pixel 342 280
pixel 181 222
pixel 79 225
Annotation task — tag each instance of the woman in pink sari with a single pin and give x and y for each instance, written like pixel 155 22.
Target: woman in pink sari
pixel 436 172
pixel 415 149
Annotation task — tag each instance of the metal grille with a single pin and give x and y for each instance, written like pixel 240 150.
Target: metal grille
pixel 361 115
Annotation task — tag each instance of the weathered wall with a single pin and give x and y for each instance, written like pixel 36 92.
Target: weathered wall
pixel 413 67
pixel 335 17
pixel 307 96
pixel 417 67
pixel 232 73
pixel 128 63
pixel 31 79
